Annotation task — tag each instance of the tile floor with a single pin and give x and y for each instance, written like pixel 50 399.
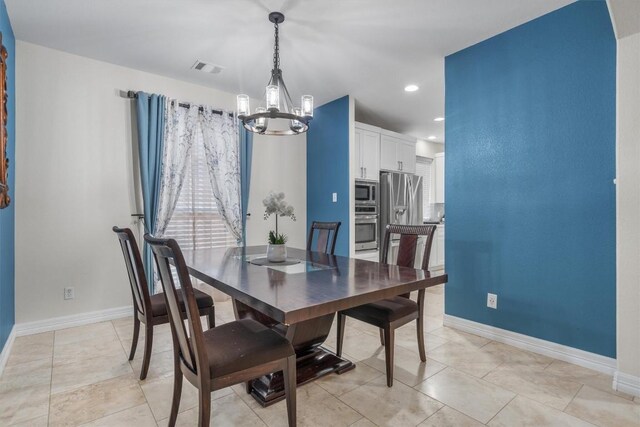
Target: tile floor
pixel 81 376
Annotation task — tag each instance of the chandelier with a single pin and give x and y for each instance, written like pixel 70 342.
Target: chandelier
pixel 279 107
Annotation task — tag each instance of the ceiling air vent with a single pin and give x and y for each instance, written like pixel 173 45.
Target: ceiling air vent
pixel 207 67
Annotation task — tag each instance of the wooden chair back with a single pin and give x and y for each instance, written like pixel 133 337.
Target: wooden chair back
pixel 166 253
pixel 408 246
pixel 135 270
pixel 326 236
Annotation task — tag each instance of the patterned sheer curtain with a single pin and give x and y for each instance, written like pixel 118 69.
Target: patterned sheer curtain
pixel 222 151
pixel 180 133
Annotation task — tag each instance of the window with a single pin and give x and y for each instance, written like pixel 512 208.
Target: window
pixel 196 223
pixel 423 169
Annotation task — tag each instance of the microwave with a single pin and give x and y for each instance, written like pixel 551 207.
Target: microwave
pixel 366 192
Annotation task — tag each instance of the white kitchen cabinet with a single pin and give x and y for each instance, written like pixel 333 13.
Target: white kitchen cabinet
pixel 368 255
pixel 406 154
pixel 367 154
pixel 436 260
pixel 439 177
pixel 440 239
pixel 397 152
pixel 388 160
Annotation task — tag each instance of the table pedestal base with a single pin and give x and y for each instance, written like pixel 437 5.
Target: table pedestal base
pixel 312 360
pixel 269 389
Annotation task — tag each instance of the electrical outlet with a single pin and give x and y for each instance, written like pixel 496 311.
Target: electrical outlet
pixel 492 301
pixel 335 197
pixel 69 293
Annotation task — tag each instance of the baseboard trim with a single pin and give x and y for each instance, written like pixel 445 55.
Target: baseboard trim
pixel 606 365
pixel 64 322
pixel 626 383
pixel 6 350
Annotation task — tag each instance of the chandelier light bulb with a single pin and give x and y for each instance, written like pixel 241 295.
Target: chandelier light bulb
pixel 296 125
pixel 273 97
pixel 261 122
pixel 243 105
pixel 307 105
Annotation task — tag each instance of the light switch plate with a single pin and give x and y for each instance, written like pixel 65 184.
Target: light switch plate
pixel 335 197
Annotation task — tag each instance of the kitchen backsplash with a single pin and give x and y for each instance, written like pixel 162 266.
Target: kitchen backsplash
pixel 434 212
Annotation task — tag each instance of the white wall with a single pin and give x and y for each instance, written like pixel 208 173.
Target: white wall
pixel 628 205
pixel 75 177
pixel 428 148
pixel 279 164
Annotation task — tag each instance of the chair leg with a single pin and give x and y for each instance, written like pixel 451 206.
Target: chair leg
pixel 290 389
pixel 248 386
pixel 204 407
pixel 420 325
pixel 420 328
pixel 340 335
pixel 381 336
pixel 388 353
pixel 177 392
pixel 211 317
pixel 148 342
pixel 136 334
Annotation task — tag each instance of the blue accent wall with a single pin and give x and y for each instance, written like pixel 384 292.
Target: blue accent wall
pixel 530 163
pixel 7 215
pixel 328 168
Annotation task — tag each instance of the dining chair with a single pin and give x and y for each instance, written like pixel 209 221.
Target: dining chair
pixel 232 353
pixel 327 234
pixel 150 309
pixel 389 314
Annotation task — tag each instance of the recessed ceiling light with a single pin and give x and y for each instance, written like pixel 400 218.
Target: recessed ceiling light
pixel 432 137
pixel 439 119
pixel 411 88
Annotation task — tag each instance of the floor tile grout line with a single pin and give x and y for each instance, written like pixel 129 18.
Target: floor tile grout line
pixel 250 408
pixel 134 375
pixel 530 398
pixel 500 410
pixel 434 414
pixel 117 412
pixel 573 398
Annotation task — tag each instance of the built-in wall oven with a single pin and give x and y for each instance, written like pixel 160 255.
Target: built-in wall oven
pixel 366 232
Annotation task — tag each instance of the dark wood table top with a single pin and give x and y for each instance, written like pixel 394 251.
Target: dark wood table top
pixel 321 284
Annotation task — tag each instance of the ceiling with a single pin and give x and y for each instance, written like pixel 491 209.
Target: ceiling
pixel 370 49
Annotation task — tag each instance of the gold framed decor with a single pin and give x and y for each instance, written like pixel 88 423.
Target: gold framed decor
pixel 4 161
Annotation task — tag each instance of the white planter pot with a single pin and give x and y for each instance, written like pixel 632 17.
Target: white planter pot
pixel 277 253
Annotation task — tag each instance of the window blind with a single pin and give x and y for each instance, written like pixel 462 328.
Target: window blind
pixel 196 223
pixel 423 169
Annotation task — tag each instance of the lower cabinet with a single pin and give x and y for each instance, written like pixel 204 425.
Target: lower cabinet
pixel 436 260
pixel 368 255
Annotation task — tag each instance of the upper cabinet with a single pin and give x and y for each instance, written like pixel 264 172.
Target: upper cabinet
pixel 388 156
pixel 406 154
pixel 367 153
pixel 397 152
pixel 377 149
pixel 439 177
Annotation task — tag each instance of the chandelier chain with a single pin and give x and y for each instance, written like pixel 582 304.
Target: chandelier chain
pixel 276 49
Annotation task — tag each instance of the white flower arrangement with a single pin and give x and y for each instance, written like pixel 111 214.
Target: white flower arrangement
pixel 275 204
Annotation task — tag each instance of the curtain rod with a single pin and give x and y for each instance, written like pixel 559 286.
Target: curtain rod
pixel 133 95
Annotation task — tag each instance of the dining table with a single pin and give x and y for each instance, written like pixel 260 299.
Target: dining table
pixel 299 299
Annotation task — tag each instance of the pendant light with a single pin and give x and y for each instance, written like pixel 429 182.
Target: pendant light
pixel 278 104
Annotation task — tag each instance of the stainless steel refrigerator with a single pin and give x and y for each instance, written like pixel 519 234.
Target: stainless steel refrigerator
pixel 400 201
